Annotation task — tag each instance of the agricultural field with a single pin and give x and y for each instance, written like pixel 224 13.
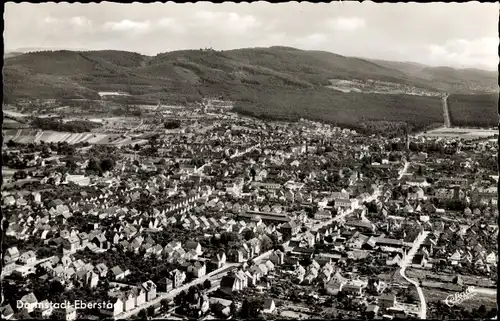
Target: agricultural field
pixel 33 136
pixel 448 278
pixel 476 111
pixel 464 133
pixel 12 124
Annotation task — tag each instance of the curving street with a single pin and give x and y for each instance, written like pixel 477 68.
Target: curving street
pixel 407 259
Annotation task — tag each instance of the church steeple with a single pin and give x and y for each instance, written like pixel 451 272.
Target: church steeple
pixel 407 139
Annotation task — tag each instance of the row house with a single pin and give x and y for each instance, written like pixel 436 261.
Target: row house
pixel 126 301
pixel 28 257
pixel 178 278
pixel 197 269
pixel 233 282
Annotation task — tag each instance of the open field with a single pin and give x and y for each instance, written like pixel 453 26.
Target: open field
pixel 12 124
pixel 476 281
pixel 464 133
pixel 25 136
pixel 378 87
pixel 13 113
pixel 434 295
pixel 295 315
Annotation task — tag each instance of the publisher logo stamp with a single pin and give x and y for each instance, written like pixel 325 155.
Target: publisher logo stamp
pixel 457 298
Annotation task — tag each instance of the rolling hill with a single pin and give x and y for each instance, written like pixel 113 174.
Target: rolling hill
pixel 262 81
pixel 467 80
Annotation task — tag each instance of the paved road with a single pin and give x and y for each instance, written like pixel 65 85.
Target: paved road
pixel 404 170
pixel 407 259
pixel 446 112
pixel 243 153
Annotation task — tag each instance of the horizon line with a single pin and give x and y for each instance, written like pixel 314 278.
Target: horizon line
pixel 25 50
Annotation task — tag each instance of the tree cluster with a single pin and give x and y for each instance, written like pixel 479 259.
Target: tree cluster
pixel 74 126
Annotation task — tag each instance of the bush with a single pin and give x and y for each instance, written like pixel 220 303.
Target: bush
pixel 20 175
pixel 107 164
pixel 173 124
pixel 11 144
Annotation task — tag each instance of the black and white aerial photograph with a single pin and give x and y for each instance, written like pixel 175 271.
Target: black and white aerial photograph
pixel 250 161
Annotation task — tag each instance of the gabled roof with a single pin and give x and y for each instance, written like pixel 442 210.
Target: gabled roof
pixel 228 281
pixel 149 285
pixel 116 270
pixel 29 298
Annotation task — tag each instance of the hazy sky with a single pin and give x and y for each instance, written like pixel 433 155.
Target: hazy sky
pixel 454 34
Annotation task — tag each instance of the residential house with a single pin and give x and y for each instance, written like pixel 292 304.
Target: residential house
pixel 28 257
pixel 118 273
pixel 235 255
pixel 269 306
pixel 140 296
pixel 129 300
pixel 270 266
pixel 491 258
pixel 219 259
pixel 345 204
pixel 29 302
pixel 178 278
pixel 71 244
pixel 118 306
pixel 11 255
pixel 67 313
pixel 289 229
pixel 91 279
pixel 419 261
pixel 191 245
pixel 245 250
pixel 84 239
pixel 251 279
pixel 387 301
pixel 100 241
pixel 198 269
pixel 277 257
pixel 455 258
pixel 226 311
pixel 102 269
pixel 150 289
pixel 231 283
pixel 254 245
pixel 43 310
pixel 372 311
pixel 7 313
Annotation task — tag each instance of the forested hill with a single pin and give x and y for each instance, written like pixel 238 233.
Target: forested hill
pixel 275 82
pixel 184 73
pixel 448 79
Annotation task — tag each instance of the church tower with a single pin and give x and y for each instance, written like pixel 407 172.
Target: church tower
pixel 407 139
